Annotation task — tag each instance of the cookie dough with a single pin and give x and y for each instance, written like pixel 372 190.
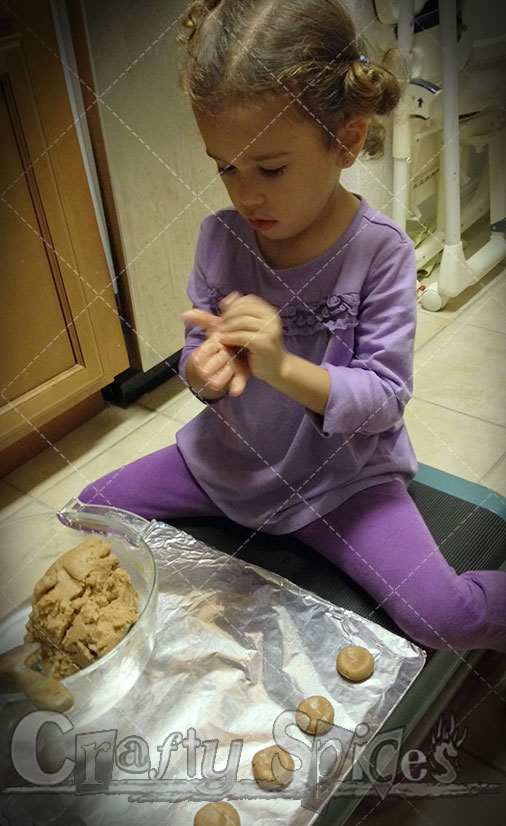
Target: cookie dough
pixel 217 814
pixel 273 768
pixel 81 608
pixel 315 715
pixel 355 663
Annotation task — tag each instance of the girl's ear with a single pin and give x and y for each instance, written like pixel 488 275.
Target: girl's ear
pixel 351 138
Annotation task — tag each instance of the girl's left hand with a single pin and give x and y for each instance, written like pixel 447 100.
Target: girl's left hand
pixel 251 323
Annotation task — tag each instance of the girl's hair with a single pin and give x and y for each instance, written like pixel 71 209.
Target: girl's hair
pixel 246 50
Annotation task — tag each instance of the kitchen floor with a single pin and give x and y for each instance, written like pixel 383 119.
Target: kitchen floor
pixel 457 422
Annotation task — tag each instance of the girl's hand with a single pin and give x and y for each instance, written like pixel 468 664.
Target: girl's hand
pixel 221 369
pixel 201 318
pixel 216 370
pixel 251 323
pixel 211 323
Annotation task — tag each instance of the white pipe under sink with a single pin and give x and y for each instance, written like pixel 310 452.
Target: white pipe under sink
pixel 455 272
pixel 401 138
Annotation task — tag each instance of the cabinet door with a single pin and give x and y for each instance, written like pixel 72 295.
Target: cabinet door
pixel 61 335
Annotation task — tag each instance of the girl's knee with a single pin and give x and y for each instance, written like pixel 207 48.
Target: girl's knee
pixel 119 489
pixel 86 495
pixel 94 494
pixel 428 634
pixel 435 625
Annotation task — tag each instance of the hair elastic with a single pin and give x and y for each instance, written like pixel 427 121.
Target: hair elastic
pixel 364 59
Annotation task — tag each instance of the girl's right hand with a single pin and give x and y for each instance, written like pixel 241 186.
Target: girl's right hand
pixel 218 369
pixel 223 369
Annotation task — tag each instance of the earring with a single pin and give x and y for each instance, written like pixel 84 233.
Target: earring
pixel 346 162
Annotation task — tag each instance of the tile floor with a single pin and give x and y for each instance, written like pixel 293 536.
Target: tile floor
pixel 457 422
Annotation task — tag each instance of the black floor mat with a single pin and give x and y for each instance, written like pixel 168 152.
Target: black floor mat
pixel 470 537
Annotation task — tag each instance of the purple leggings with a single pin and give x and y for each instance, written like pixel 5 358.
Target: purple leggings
pixel 377 537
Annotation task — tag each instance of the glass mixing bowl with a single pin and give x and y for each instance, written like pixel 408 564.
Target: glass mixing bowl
pixel 28 546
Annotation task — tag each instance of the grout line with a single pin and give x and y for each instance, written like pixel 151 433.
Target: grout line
pixel 488 329
pixel 427 341
pixel 9 511
pixel 480 759
pixel 77 467
pixel 455 410
pixel 31 496
pixel 163 422
pixel 495 466
pixel 180 416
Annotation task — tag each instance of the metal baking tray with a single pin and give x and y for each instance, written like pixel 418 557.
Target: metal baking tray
pixel 237 648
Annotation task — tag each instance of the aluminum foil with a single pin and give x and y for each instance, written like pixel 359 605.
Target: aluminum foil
pixel 237 648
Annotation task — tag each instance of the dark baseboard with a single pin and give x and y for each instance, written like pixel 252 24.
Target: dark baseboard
pixel 129 385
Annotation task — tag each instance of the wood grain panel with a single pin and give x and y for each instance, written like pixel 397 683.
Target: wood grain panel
pixel 35 317
pixel 57 296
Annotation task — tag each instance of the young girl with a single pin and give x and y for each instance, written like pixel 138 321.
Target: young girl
pixel 300 339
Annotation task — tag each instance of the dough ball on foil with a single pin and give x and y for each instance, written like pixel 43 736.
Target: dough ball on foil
pixel 355 663
pixel 315 715
pixel 273 768
pixel 217 814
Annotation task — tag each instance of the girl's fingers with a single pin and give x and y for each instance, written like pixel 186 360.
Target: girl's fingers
pixel 211 347
pixel 237 384
pixel 244 338
pixel 250 323
pixel 202 319
pixel 221 365
pixel 249 305
pixel 240 377
pixel 216 362
pixel 218 365
pixel 218 378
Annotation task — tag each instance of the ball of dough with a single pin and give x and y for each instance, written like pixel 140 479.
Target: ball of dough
pixel 273 768
pixel 315 714
pixel 355 663
pixel 217 814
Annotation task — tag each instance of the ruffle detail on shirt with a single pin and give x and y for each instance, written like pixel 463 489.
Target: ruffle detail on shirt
pixel 215 296
pixel 336 312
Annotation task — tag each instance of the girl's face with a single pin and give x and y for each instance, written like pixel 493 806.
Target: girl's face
pixel 277 171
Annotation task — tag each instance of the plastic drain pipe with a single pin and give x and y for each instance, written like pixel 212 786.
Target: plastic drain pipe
pixel 455 272
pixel 401 135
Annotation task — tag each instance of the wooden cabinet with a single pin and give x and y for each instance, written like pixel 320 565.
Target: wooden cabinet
pixel 61 334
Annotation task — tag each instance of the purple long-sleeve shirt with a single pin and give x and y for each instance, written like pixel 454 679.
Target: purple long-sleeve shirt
pixel 267 461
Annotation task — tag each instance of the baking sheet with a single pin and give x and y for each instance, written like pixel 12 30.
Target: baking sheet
pixel 237 649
